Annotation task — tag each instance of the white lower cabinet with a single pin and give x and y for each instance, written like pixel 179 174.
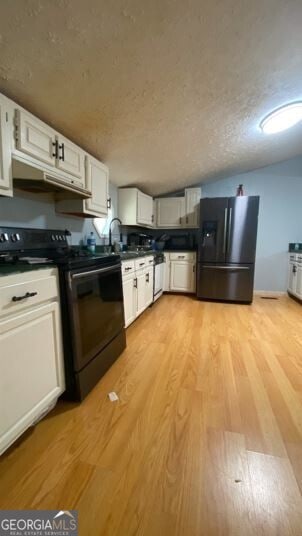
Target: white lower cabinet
pixel 182 276
pixel 31 358
pixel 299 282
pixel 141 292
pixel 149 286
pixel 137 287
pixel 129 292
pixel 180 271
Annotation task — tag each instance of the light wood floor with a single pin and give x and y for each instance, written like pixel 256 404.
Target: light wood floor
pixel 205 440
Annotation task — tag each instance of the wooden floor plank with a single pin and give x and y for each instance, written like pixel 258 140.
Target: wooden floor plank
pixel 205 440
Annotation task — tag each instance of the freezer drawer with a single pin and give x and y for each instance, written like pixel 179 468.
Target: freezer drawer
pixel 225 282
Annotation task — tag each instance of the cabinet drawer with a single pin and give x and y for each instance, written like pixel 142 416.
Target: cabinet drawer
pixel 39 290
pixel 182 256
pixel 141 263
pixel 149 260
pixel 128 267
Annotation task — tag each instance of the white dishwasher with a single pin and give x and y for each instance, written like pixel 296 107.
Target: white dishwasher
pixel 158 287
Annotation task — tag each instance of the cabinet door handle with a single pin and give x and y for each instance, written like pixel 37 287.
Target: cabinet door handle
pixel 152 218
pixel 109 202
pixel 135 282
pixel 56 149
pixel 27 295
pixel 62 156
pixel 180 218
pixel 147 278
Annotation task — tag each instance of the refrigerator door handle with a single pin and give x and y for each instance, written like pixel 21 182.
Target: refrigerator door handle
pixel 229 230
pixel 237 268
pixel 225 230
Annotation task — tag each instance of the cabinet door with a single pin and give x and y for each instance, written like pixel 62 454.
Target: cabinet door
pixel 167 268
pixel 144 209
pixel 35 138
pixel 5 149
pixel 149 287
pixel 170 212
pixel 182 276
pixel 299 282
pixel 97 178
pixel 71 158
pixel 192 202
pixel 129 292
pixel 292 278
pixel 141 293
pixel 31 365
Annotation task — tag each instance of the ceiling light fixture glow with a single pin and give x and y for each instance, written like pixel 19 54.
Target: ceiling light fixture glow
pixel 285 117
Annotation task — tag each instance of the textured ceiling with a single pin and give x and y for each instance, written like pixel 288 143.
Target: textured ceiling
pixel 167 92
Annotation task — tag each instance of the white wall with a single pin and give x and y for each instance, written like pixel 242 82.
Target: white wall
pixel 38 210
pixel 280 216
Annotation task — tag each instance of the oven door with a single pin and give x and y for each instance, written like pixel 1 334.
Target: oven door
pixel 96 311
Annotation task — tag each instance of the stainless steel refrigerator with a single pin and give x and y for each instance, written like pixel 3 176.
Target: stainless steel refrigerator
pixel 227 248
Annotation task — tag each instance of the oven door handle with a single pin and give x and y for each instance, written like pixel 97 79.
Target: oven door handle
pixel 99 271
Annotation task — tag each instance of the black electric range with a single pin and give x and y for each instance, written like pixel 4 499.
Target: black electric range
pixel 91 297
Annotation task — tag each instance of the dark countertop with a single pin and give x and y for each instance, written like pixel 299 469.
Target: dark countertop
pixel 19 268
pixel 129 255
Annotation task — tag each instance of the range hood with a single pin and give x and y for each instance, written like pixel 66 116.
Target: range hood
pixel 33 179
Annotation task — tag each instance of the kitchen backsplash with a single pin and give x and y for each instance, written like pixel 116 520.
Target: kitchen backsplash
pixel 38 211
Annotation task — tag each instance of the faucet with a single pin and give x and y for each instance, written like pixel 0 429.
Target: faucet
pixel 110 231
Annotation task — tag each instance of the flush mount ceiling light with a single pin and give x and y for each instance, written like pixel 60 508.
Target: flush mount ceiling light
pixel 285 117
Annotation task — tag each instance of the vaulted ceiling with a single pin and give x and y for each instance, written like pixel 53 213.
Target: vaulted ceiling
pixel 168 93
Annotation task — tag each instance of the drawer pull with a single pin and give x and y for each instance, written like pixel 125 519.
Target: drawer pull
pixel 141 263
pixel 181 256
pixel 27 295
pixel 128 268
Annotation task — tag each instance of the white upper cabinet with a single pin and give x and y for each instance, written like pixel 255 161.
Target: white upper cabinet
pixel 6 122
pixel 35 138
pixel 43 159
pixel 97 180
pixel 135 208
pixel 97 176
pixel 144 209
pixel 192 203
pixel 70 158
pixel 170 212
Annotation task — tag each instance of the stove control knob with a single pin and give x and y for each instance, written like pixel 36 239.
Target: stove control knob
pixel 53 238
pixel 15 237
pixel 60 238
pixel 4 237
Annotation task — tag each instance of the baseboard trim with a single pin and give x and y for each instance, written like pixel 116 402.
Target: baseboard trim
pixel 274 293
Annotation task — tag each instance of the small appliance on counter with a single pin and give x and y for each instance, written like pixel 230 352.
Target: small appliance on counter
pixel 181 241
pixel 91 296
pixel 139 240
